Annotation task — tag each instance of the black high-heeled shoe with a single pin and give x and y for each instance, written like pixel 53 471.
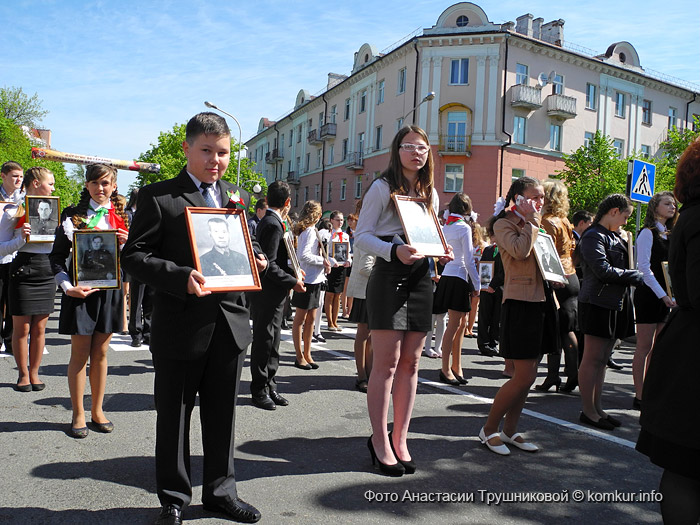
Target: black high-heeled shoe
pixel 549 383
pixel 396 471
pixel 571 383
pixel 444 379
pixel 409 466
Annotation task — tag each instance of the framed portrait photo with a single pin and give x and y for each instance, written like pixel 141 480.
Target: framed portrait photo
pixel 421 226
pixel 292 254
pixel 10 207
pixel 548 259
pixel 667 279
pixel 340 251
pixel 42 214
pixel 96 259
pixel 222 250
pixel 485 272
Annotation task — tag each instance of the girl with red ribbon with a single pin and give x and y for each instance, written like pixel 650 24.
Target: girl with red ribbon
pixel 89 315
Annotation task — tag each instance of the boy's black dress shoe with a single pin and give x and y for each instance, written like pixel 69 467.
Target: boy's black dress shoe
pixel 169 515
pixel 264 401
pixel 236 509
pixel 278 399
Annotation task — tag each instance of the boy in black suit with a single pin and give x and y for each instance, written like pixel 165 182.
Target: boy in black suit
pixel 267 305
pixel 198 338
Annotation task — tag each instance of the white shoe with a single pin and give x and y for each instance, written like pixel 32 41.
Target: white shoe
pixel 438 352
pixel 524 445
pixel 430 353
pixel 498 449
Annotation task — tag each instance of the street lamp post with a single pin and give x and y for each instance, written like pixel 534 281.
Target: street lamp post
pixel 240 137
pixel 429 96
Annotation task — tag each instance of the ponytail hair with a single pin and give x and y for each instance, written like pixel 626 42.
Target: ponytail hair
pixel 38 173
pixel 519 186
pixel 92 173
pixel 616 200
pixel 650 219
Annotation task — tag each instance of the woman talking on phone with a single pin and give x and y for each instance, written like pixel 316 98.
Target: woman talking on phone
pixel 399 296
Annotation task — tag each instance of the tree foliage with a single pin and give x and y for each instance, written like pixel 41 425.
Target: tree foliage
pixel 168 153
pixel 17 106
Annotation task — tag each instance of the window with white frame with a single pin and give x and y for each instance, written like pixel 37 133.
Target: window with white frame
pixel 317 192
pixel 289 166
pixel 646 112
pixel 558 85
pixel 361 142
pixel 459 71
pixel 345 149
pixel 291 137
pixel 296 197
pixel 358 186
pixel 619 146
pixel 318 157
pixel 399 123
pixel 310 124
pixel 587 139
pixel 517 173
pixel 454 177
pixel 363 100
pixel 346 114
pixel 298 166
pixel 646 151
pixel 401 85
pixel 555 137
pixel 456 139
pixel 521 76
pixel 343 189
pixel 672 118
pixel 329 191
pixel 320 120
pixel 519 125
pixel 282 141
pixel 620 102
pixel 306 193
pixel 591 96
pixel 334 113
pixel 380 92
pixel 331 154
pixel 378 138
pixel 307 164
pixel 298 133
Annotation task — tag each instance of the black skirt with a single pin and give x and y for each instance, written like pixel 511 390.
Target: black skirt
pixel 358 314
pixel 32 287
pixel 336 280
pixel 400 296
pixel 528 330
pixel 568 305
pixel 601 322
pixel 308 300
pixel 102 311
pixel 452 293
pixel 649 309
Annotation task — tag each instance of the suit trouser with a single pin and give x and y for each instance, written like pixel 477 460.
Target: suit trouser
pixel 140 309
pixel 5 314
pixel 267 309
pixel 215 376
pixel 489 318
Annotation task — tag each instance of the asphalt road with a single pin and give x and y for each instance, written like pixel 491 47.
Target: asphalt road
pixel 308 462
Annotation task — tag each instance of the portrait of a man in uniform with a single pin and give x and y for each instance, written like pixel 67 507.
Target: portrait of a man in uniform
pixel 222 259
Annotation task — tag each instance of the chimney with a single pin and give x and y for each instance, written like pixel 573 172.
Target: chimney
pixel 523 25
pixel 553 32
pixel 334 79
pixel 537 28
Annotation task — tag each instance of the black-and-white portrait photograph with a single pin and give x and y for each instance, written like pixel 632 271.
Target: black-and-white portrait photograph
pixel 221 249
pixel 96 258
pixel 42 214
pixel 292 253
pixel 340 251
pixel 421 226
pixel 548 259
pixel 485 273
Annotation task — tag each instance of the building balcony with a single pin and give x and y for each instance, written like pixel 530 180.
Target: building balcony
pixel 273 156
pixel 293 177
pixel 527 97
pixel 313 137
pixel 328 131
pixel 354 161
pixel 455 145
pixel 560 106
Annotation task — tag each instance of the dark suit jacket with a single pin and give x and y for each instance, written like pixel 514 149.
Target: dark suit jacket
pixel 158 254
pixel 269 233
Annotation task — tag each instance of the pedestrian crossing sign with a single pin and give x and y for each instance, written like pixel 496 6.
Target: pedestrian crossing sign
pixel 641 177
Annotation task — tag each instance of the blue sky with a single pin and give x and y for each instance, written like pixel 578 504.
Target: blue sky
pixel 113 75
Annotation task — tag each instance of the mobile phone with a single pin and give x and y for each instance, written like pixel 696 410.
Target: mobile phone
pixel 519 200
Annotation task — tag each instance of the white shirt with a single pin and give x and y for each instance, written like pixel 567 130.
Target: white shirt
pixel 459 236
pixel 213 190
pixel 645 240
pixel 309 255
pixel 9 243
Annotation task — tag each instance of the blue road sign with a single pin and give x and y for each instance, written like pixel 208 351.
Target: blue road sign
pixel 641 177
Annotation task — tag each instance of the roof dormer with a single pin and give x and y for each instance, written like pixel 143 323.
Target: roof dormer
pixel 622 54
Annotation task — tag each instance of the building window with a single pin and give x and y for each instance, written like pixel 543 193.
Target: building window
pixel 591 96
pixel 358 186
pixel 454 177
pixel 587 139
pixel 298 133
pixel 459 72
pixel 380 92
pixel 646 112
pixel 620 100
pixel 310 123
pixel 289 166
pixel 456 131
pixel 401 82
pixel 521 76
pixel 517 173
pixel 306 193
pixel 519 124
pixel 672 118
pixel 378 138
pixel 363 101
pixel 345 149
pixel 331 152
pixel 318 158
pixel 329 191
pixel 296 198
pixel 646 151
pixel 462 21
pixel 619 146
pixel 343 189
pixel 307 164
pixel 361 142
pixel 399 123
pixel 291 137
pixel 298 166
pixel 555 137
pixel 317 192
pixel 346 114
pixel 558 85
pixel 282 141
pixel 334 113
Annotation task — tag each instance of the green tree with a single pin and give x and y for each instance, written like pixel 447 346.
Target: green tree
pixel 168 153
pixel 17 106
pixel 673 147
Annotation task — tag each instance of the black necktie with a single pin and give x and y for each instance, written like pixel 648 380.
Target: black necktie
pixel 205 187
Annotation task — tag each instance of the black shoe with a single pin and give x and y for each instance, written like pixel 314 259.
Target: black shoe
pixel 23 388
pixel 602 424
pixel 570 384
pixel 169 515
pixel 278 399
pixel 361 385
pixel 395 471
pixel 614 365
pixel 147 340
pixel 636 403
pixel 38 387
pixel 613 421
pixel 264 401
pixel 236 509
pixel 409 466
pixel 444 379
pixel 488 351
pixel 302 367
pixel 136 341
pixel 319 338
pixel 314 366
pixel 79 433
pixel 285 325
pixel 8 346
pixel 105 428
pixel 459 378
pixel 549 383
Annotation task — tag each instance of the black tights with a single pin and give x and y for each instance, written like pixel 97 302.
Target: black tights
pixel 681 503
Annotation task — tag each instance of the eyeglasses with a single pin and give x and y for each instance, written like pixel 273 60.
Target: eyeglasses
pixel 410 148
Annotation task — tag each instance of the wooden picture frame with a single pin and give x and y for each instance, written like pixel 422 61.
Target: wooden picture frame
pixel 421 226
pixel 96 259
pixel 222 250
pixel 548 259
pixel 292 255
pixel 486 269
pixel 667 279
pixel 43 215
pixel 340 251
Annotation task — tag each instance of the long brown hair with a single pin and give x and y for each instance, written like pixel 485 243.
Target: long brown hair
pixel 518 187
pixel 38 173
pixel 650 219
pixel 310 214
pixel 393 175
pixel 94 172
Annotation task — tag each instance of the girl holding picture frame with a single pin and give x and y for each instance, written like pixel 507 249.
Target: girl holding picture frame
pixel 89 315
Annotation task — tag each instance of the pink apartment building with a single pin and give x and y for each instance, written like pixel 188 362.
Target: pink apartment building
pixel 509 100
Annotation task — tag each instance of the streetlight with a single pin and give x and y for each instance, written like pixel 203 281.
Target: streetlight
pixel 240 136
pixel 429 96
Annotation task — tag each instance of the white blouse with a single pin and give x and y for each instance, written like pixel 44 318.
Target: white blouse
pixel 645 241
pixel 459 236
pixel 309 255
